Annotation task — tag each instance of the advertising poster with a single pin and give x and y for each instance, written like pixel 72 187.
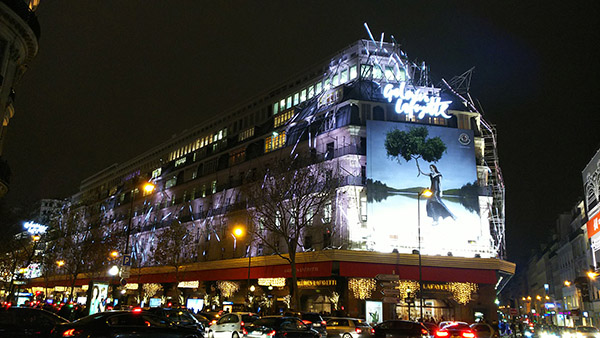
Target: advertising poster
pixel 97 296
pixel 403 159
pixel 591 186
pixel 374 312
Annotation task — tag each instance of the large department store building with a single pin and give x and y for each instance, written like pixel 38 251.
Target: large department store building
pixel 363 253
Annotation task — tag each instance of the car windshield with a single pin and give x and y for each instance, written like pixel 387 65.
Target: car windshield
pixel 268 322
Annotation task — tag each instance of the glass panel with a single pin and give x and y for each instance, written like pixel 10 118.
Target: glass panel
pixel 344 76
pixel 353 72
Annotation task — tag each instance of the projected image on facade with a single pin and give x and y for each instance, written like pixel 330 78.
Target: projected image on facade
pixel 403 159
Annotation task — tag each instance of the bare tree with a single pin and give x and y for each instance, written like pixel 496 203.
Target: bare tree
pixel 84 245
pixel 172 249
pixel 292 193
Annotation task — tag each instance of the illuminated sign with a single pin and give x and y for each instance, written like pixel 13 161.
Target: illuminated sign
pixel 278 282
pixel 308 284
pixel 35 228
pixel 593 226
pixel 188 284
pixel 416 101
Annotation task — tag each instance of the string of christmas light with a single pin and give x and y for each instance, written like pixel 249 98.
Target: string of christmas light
pixel 361 287
pixel 405 285
pixel 150 289
pixel 462 292
pixel 228 288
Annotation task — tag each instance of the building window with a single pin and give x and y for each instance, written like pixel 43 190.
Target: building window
pixel 353 72
pixel 344 76
pixel 308 242
pixel 246 134
pixel 288 103
pixel 318 88
pixel 303 95
pixel 377 73
pixel 237 157
pixel 282 118
pixel 171 182
pixel 336 80
pixel 363 209
pixel 214 186
pixel 296 98
pixel 276 141
pixel 311 92
pixel 366 71
pixel 275 108
pixel 327 213
pixel 389 73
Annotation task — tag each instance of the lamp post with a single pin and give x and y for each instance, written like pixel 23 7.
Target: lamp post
pixel 237 233
pixel 426 193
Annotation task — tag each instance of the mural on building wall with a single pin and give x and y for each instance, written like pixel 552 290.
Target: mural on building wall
pixel 402 160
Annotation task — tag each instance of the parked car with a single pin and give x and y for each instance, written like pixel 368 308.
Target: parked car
pixel 348 328
pixel 279 327
pixel 27 322
pixel 400 328
pixel 124 324
pixel 230 325
pixel 586 332
pixel 312 319
pixel 483 330
pixel 456 329
pixel 179 317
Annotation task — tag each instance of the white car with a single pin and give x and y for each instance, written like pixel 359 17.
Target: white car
pixel 230 325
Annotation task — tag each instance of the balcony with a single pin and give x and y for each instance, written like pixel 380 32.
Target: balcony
pixel 4 177
pixel 20 8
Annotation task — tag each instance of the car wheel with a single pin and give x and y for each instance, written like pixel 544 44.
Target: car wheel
pixel 235 335
pixel 211 334
pixel 346 335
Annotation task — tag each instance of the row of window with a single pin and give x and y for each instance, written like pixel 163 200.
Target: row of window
pixel 199 143
pixel 275 141
pixel 283 118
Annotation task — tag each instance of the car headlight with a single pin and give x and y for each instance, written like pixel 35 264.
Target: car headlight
pixel 528 334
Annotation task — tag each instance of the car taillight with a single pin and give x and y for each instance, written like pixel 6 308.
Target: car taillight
pixel 242 323
pixel 424 332
pixel 323 323
pixel 468 334
pixel 373 331
pixel 441 333
pixel 137 310
pixel 213 321
pixel 307 322
pixel 272 333
pixel 358 330
pixel 244 331
pixel 70 333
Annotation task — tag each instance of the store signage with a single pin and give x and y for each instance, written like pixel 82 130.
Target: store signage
pixel 417 101
pixel 188 284
pixel 307 284
pixel 593 225
pixel 436 287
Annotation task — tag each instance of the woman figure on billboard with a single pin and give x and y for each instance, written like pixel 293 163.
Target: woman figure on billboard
pixel 435 207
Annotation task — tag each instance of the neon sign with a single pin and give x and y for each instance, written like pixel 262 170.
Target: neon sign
pixel 416 101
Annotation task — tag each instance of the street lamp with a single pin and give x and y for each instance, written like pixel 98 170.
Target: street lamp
pixel 60 263
pixel 239 232
pixel 425 193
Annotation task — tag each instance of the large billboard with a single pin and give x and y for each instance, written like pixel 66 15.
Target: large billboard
pixel 403 159
pixel 591 186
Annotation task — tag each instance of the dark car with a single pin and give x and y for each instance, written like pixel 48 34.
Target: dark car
pixel 457 329
pixel 401 329
pixel 124 324
pixel 179 317
pixel 279 327
pixel 348 328
pixel 27 322
pixel 312 319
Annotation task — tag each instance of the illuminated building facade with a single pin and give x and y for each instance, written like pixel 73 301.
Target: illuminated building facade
pixel 19 33
pixel 333 111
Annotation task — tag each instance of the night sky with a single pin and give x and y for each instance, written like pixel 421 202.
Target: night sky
pixel 114 78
